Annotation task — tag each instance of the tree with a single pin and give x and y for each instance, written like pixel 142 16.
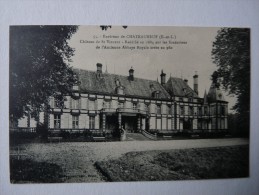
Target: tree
pixel 39 67
pixel 231 54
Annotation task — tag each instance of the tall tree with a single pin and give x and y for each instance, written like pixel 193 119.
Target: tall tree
pixel 231 54
pixel 39 67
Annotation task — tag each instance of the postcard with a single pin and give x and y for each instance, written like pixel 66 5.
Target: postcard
pixel 128 103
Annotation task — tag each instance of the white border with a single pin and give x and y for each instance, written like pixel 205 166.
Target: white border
pixel 231 13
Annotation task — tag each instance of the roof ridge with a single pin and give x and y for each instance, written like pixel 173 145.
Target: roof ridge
pixel 80 69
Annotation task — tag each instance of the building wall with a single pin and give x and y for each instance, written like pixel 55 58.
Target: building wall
pixel 170 117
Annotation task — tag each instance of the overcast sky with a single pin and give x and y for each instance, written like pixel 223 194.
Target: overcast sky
pixel 182 61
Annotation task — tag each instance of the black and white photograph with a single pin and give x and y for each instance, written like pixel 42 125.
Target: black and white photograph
pixel 109 103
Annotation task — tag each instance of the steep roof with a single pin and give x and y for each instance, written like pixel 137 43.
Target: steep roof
pixel 178 87
pixel 215 94
pixel 105 83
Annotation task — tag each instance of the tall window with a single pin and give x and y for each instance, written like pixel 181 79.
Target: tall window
pixel 222 110
pixel 57 103
pixel 182 110
pixel 199 126
pixel 75 122
pixel 121 105
pixel 107 104
pixel 169 110
pixel 57 121
pixel 190 110
pixel 205 110
pixel 134 106
pixel 92 105
pixel 158 109
pixel 199 111
pixel 147 107
pixel 75 104
pixel 92 122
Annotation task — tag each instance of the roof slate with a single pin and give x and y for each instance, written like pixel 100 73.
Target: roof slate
pixel 178 87
pixel 215 94
pixel 105 83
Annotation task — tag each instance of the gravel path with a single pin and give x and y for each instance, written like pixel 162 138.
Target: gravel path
pixel 77 158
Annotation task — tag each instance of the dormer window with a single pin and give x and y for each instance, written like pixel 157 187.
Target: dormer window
pixel 120 90
pixel 117 82
pixel 156 94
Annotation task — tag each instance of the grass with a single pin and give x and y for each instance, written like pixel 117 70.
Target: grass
pixel 29 171
pixel 204 163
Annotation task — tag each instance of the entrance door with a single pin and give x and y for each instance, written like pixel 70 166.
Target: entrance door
pixel 111 122
pixel 187 124
pixel 129 123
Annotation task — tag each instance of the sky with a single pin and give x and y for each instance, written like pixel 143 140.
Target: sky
pixel 179 60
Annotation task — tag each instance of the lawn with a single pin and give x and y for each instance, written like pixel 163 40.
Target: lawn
pixel 182 164
pixel 29 171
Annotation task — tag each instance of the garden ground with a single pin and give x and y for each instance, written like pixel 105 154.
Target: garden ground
pixel 76 161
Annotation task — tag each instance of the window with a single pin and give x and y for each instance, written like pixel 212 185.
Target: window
pixel 199 126
pixel 56 103
pixel 156 94
pixel 169 110
pixel 158 109
pixel 107 104
pixel 91 104
pixel 190 110
pixel 222 110
pixel 120 90
pixel 91 122
pixel 75 122
pixel 212 110
pixel 181 99
pixel 134 105
pixel 182 110
pixel 205 111
pixel 147 107
pixel 222 124
pixel 75 104
pixel 57 121
pixel 199 111
pixel 121 105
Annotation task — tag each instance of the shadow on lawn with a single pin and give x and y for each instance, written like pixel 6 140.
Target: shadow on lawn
pixel 29 171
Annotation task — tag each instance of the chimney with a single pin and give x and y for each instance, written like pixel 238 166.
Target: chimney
pixel 195 83
pixel 162 75
pixel 99 67
pixel 186 81
pixel 131 74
